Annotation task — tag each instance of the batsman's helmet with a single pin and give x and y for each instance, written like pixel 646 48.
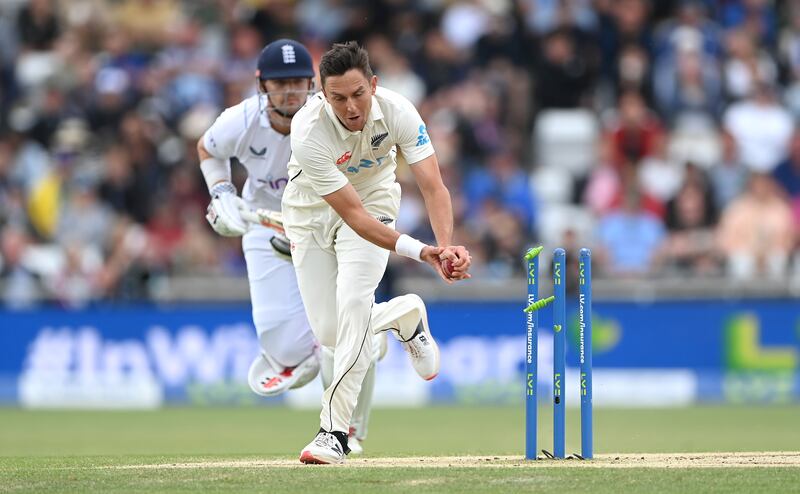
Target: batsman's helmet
pixel 284 59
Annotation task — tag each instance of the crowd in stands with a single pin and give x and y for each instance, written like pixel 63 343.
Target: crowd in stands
pixel 689 163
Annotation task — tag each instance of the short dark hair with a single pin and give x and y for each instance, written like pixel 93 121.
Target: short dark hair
pixel 343 57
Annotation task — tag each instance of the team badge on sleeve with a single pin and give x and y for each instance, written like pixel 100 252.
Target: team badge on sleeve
pixel 423 138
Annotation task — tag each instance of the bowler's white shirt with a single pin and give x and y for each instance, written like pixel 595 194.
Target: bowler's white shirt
pixel 243 133
pixel 326 155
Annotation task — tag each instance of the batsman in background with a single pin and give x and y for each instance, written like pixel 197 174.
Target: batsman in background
pixel 255 133
pixel 339 211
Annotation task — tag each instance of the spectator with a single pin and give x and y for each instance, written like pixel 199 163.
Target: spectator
pixel 634 72
pixel 148 22
pixel 506 185
pixel 689 83
pixel 21 288
pixel 690 20
pixel 502 39
pixel 123 189
pixel 38 25
pixel 629 236
pixel 83 221
pixel 690 247
pixel 729 176
pixel 441 64
pixel 394 70
pixel 624 24
pixel 757 17
pixel 757 232
pixel 747 66
pixel 464 22
pixel 503 238
pixel 658 175
pixel 761 128
pixel 637 132
pixel 562 73
pixel 603 185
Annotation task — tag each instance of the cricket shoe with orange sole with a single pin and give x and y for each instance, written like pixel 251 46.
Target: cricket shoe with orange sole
pixel 326 448
pixel 268 378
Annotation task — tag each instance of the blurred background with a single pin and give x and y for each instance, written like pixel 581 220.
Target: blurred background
pixel 662 134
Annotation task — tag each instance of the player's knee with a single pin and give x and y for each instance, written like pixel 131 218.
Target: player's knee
pixel 287 340
pixel 414 302
pixel 413 308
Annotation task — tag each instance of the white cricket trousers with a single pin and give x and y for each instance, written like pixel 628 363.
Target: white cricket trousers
pixel 278 314
pixel 337 273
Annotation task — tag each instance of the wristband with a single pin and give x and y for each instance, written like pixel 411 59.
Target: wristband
pixel 215 170
pixel 409 247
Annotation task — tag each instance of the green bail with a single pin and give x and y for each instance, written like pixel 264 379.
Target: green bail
pixel 533 252
pixel 540 304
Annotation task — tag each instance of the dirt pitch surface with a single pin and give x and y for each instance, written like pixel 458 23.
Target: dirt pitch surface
pixel 642 460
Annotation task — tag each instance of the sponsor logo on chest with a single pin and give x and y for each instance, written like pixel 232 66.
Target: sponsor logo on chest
pixel 258 152
pixel 273 183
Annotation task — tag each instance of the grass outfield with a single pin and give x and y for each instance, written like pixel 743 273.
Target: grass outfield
pixel 255 449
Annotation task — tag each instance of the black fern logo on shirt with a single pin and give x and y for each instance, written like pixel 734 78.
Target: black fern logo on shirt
pixel 376 140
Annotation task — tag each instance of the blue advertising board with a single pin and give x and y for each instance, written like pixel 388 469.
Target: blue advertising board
pixel 645 354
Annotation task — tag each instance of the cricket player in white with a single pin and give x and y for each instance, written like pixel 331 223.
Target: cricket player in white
pixel 339 211
pixel 255 133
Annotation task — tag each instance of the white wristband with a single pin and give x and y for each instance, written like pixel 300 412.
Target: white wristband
pixel 409 247
pixel 215 170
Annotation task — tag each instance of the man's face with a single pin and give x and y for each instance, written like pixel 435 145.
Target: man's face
pixel 288 95
pixel 350 95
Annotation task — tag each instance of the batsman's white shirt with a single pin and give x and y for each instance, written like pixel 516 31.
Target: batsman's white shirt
pixel 243 133
pixel 337 270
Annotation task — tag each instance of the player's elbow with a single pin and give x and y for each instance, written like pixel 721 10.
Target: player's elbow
pixel 201 150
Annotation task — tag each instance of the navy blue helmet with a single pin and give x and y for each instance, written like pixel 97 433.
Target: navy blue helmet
pixel 284 59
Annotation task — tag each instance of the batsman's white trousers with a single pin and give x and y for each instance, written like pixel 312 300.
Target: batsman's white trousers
pixel 278 313
pixel 338 272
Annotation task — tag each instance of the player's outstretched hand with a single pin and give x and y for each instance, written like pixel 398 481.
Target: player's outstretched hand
pixel 455 261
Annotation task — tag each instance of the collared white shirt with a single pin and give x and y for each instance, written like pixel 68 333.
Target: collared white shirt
pixel 243 133
pixel 326 155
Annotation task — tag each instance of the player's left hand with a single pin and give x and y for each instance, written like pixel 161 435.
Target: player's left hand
pixel 455 261
pixel 223 211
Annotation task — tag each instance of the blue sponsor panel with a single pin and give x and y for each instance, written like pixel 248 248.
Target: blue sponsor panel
pixel 132 357
pixel 654 354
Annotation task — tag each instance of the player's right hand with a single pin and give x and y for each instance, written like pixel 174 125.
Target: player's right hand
pixel 455 260
pixel 435 257
pixel 223 211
